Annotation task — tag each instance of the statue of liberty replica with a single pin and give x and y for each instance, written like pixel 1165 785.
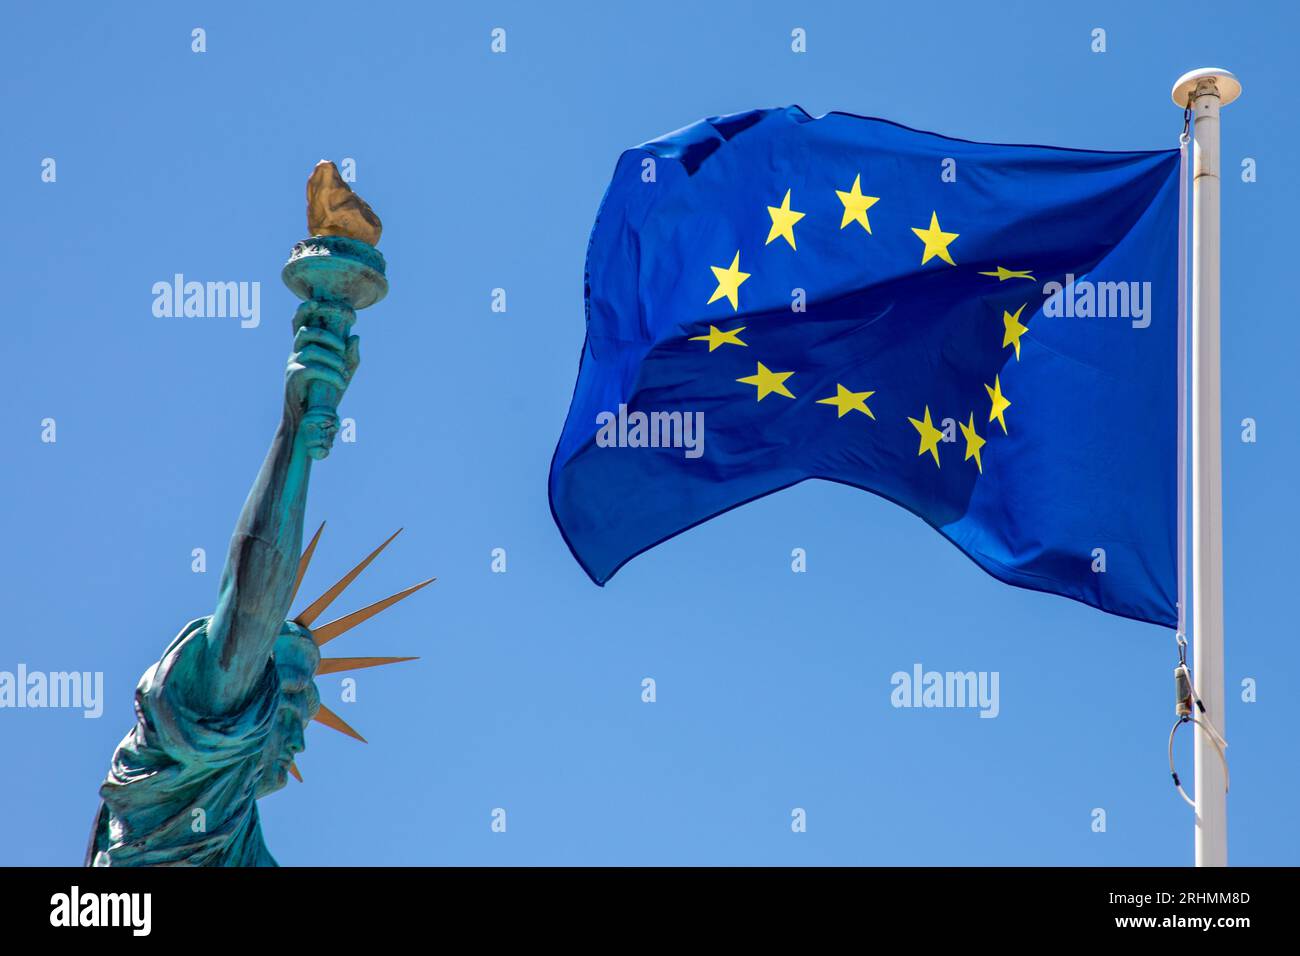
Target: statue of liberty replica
pixel 221 716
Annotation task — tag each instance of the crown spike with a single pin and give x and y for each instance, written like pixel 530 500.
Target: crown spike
pixel 304 561
pixel 336 665
pixel 314 610
pixel 330 719
pixel 327 632
pixel 293 769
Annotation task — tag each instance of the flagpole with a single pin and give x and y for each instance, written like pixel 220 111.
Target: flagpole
pixel 1204 91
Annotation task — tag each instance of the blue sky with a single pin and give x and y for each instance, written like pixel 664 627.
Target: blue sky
pixel 773 687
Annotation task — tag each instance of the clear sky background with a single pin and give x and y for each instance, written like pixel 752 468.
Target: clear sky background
pixel 773 687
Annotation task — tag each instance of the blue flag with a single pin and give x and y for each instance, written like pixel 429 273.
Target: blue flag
pixel 984 334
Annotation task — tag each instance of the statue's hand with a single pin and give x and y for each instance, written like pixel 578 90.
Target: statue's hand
pixel 319 356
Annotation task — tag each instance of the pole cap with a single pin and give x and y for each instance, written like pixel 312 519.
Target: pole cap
pixel 1229 86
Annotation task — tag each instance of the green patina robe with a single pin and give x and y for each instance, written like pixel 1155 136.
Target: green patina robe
pixel 175 762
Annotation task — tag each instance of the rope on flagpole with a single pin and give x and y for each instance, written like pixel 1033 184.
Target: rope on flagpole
pixel 1184 139
pixel 1218 745
pixel 1186 693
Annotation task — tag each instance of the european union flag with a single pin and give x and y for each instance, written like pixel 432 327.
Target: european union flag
pixel 984 334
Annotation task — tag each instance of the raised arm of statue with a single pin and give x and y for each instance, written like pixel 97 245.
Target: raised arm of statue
pixel 220 717
pixel 258 578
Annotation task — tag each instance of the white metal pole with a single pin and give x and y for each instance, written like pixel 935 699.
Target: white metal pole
pixel 1208 89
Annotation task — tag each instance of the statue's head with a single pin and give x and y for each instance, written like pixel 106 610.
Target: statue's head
pixel 298 663
pixel 296 659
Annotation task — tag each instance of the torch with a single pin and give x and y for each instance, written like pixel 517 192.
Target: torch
pixel 335 272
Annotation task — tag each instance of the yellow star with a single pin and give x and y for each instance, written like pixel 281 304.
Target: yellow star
pixel 1003 274
pixel 1013 329
pixel 929 436
pixel 783 220
pixel 936 241
pixel 1000 403
pixel 768 382
pixel 973 442
pixel 729 280
pixel 847 401
pixel 856 205
pixel 717 337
